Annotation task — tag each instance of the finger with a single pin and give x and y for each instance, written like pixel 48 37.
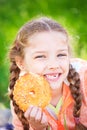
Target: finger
pixel 33 112
pixel 38 115
pixel 27 113
pixel 44 119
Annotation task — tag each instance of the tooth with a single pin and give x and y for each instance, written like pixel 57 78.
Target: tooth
pixel 52 76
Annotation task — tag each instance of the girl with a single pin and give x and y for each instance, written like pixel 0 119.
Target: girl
pixel 42 47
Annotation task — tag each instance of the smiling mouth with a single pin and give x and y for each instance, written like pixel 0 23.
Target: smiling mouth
pixel 52 77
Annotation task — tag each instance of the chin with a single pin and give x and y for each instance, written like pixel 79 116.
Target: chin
pixel 56 86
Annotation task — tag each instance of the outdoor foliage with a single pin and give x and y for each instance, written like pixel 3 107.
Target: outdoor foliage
pixel 14 13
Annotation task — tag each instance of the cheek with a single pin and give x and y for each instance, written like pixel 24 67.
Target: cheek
pixel 36 68
pixel 65 66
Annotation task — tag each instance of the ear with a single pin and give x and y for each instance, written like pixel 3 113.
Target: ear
pixel 20 62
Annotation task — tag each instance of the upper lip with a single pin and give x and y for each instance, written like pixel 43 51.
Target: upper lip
pixel 53 73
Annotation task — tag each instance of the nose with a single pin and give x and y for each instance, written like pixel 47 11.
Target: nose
pixel 52 64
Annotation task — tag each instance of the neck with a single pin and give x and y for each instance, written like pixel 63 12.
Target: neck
pixel 56 94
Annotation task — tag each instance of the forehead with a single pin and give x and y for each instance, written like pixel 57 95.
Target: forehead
pixel 47 37
pixel 52 42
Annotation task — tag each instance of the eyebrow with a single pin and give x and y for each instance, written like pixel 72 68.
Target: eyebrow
pixel 40 52
pixel 63 49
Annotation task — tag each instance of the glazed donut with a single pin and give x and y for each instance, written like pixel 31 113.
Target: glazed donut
pixel 31 89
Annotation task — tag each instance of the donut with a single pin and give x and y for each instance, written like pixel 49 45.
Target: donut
pixel 31 89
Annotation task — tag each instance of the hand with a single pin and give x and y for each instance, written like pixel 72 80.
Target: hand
pixel 37 118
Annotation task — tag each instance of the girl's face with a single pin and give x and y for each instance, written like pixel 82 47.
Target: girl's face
pixel 47 55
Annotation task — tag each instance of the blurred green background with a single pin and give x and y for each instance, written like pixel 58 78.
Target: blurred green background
pixel 14 13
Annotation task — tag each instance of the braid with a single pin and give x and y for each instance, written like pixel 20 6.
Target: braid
pixel 14 74
pixel 74 80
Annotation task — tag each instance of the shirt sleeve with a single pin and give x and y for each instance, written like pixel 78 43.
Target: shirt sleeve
pixel 81 67
pixel 15 121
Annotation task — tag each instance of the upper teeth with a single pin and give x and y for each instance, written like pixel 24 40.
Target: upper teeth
pixel 52 76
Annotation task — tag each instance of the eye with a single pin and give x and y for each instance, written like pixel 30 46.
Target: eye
pixel 61 55
pixel 40 56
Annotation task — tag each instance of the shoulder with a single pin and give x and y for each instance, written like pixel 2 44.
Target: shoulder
pixel 78 64
pixel 81 67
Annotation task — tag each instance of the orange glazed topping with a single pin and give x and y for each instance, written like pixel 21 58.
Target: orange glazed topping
pixel 31 89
